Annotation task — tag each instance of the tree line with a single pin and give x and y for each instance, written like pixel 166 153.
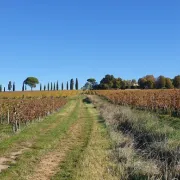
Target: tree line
pixel 146 82
pixel 32 82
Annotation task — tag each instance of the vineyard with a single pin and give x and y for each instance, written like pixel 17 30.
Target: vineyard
pixel 165 101
pixel 145 144
pixel 23 107
pixel 52 148
pixel 29 94
pixel 17 111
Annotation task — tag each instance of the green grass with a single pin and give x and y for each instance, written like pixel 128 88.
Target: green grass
pixel 68 168
pixel 93 151
pixel 5 131
pixel 173 122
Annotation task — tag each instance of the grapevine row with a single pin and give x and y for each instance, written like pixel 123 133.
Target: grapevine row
pixel 16 111
pixel 166 101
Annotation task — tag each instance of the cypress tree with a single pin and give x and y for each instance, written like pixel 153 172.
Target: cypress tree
pixel 67 86
pixel 44 87
pixel 62 86
pixel 14 87
pixel 0 88
pixel 23 87
pixel 10 86
pixel 77 84
pixel 57 86
pixel 4 89
pixel 51 86
pixel 40 87
pixel 48 87
pixel 71 84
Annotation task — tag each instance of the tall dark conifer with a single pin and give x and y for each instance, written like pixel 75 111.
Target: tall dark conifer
pixel 51 86
pixel 71 84
pixel 14 87
pixel 77 84
pixel 48 87
pixel 67 87
pixel 23 87
pixel 10 86
pixel 57 86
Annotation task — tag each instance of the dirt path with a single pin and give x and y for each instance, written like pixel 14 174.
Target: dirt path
pixel 47 167
pixel 5 161
pixel 49 163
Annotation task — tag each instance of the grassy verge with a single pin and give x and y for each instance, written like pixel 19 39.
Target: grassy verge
pixel 5 131
pixel 95 163
pixel 145 147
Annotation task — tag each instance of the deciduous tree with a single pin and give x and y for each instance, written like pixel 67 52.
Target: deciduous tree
pixel 147 82
pixel 161 82
pixel 107 82
pixel 169 84
pixel 117 82
pixel 176 81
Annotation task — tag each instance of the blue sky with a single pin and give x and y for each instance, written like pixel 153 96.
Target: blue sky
pixel 59 40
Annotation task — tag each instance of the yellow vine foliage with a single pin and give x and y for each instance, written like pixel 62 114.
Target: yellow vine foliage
pixel 164 100
pixel 20 94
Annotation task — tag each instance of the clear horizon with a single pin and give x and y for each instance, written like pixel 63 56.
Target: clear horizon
pixel 77 39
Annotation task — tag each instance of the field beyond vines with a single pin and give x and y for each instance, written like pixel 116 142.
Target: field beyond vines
pixel 37 94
